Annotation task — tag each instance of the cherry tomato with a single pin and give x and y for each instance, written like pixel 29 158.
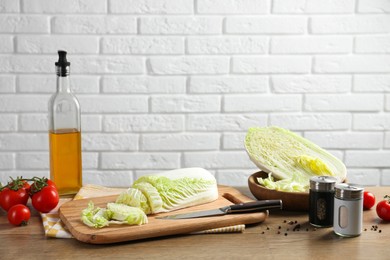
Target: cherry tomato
pixel 368 200
pixel 37 185
pixel 26 186
pixel 20 184
pixel 9 197
pixel 383 208
pixel 51 183
pixel 18 215
pixel 46 199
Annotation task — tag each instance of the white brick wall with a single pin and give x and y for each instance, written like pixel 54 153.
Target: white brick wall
pixel 166 84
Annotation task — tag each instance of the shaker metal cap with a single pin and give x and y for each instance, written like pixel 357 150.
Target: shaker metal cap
pixel 348 191
pixel 322 183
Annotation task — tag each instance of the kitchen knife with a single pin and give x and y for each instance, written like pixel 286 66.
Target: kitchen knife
pixel 232 209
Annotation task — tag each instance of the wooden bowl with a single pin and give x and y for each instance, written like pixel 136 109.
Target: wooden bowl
pixel 292 201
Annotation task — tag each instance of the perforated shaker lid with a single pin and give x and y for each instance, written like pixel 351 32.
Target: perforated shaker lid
pixel 348 191
pixel 322 183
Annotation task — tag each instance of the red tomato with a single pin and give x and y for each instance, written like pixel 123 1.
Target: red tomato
pixel 51 183
pixel 38 184
pixel 26 186
pixel 9 197
pixel 46 199
pixel 18 183
pixel 18 215
pixel 383 208
pixel 368 200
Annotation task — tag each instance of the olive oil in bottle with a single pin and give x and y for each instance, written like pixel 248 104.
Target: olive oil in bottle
pixel 65 133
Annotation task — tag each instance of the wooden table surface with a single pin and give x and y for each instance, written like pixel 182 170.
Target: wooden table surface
pixel 273 239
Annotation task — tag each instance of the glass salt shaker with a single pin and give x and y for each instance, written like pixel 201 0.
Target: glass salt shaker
pixel 348 210
pixel 321 198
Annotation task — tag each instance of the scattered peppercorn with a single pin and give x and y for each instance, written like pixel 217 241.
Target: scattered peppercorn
pixel 285 234
pixel 297 227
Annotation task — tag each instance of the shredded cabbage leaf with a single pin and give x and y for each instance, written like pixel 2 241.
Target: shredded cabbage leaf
pixel 290 158
pixel 291 185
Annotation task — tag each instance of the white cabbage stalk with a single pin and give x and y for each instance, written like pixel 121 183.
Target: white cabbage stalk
pixel 289 156
pixel 175 189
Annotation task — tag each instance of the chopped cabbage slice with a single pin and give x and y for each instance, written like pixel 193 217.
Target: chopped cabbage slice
pixel 115 213
pixel 126 214
pixel 94 217
pixel 135 198
pixel 152 195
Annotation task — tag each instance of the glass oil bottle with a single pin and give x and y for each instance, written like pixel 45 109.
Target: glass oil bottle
pixel 65 133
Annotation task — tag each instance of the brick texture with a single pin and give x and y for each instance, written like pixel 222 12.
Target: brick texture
pixel 166 84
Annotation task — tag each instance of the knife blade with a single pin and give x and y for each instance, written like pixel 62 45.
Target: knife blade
pixel 248 207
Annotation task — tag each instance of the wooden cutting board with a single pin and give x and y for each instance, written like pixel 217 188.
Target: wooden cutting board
pixel 70 214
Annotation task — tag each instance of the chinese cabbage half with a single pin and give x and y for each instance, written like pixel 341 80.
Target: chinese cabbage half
pixel 290 158
pixel 171 190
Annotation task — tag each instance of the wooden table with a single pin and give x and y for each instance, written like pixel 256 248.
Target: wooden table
pixel 264 241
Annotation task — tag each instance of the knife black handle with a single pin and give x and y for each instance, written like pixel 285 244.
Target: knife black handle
pixel 254 206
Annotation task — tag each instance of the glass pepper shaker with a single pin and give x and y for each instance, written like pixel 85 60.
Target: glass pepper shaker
pixel 321 197
pixel 348 210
